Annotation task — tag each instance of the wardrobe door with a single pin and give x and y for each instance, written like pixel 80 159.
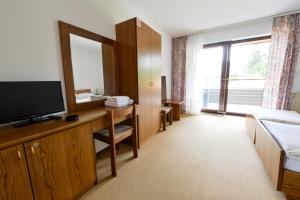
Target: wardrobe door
pixel 144 79
pixel 156 80
pixel 14 178
pixel 127 59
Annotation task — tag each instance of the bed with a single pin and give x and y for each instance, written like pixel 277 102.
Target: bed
pixel 85 95
pixel 289 117
pixel 288 137
pixel 269 130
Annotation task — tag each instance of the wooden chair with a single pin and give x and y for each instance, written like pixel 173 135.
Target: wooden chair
pixel 116 132
pixel 166 112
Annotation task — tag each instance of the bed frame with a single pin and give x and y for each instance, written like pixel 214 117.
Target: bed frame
pixel 83 91
pixel 273 155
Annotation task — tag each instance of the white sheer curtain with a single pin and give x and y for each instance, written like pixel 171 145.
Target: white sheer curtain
pixel 194 60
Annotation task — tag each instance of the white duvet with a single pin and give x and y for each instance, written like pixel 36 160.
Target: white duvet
pixel 288 136
pixel 281 116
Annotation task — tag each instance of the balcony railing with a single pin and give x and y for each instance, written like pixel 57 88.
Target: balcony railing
pixel 235 96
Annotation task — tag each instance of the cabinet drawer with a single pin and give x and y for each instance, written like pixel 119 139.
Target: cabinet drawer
pixel 99 124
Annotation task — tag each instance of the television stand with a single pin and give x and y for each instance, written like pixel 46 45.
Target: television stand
pixel 29 121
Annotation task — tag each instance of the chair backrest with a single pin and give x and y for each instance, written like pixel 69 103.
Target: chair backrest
pixel 117 115
pixel 163 88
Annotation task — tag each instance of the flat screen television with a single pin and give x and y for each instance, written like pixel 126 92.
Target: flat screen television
pixel 31 99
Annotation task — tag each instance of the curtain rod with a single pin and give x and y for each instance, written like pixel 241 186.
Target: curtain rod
pixel 241 23
pixel 286 13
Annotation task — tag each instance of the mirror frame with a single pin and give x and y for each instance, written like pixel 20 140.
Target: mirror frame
pixel 65 30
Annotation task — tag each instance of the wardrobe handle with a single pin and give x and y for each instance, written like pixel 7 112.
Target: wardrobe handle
pixel 151 83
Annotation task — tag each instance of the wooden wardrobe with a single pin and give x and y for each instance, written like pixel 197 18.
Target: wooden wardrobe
pixel 139 68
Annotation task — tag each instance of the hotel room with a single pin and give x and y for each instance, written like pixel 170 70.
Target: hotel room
pixel 144 100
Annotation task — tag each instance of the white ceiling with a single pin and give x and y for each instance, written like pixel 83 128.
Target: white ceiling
pixel 179 17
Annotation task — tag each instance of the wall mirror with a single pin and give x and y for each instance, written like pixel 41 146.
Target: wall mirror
pixel 89 67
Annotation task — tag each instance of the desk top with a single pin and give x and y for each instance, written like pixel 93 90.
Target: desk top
pixel 10 135
pixel 172 101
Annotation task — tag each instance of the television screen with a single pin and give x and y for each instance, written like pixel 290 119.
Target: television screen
pixel 21 100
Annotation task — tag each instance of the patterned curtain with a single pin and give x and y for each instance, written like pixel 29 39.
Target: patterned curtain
pixel 178 67
pixel 283 57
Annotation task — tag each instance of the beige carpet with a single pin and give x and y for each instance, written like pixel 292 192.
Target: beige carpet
pixel 205 157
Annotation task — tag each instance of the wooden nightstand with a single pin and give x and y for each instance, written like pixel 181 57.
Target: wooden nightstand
pixel 176 105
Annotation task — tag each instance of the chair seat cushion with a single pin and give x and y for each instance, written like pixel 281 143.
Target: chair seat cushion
pixel 166 109
pixel 119 129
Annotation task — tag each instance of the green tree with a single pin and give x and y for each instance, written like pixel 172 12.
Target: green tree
pixel 257 65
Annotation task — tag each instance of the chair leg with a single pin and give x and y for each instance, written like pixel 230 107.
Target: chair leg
pixel 161 120
pixel 171 117
pixel 164 120
pixel 134 144
pixel 113 159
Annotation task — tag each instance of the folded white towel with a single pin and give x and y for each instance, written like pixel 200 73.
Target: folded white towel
pixel 118 97
pixel 130 101
pixel 115 104
pixel 83 95
pixel 118 101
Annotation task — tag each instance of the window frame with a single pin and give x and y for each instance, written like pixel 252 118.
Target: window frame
pixel 224 82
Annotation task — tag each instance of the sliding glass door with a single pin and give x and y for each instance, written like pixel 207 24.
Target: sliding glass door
pixel 213 58
pixel 248 65
pixel 236 75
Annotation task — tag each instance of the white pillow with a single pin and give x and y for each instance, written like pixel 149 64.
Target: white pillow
pixel 83 95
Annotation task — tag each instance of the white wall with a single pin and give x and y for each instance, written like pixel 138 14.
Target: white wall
pixel 29 37
pixel 30 47
pixel 238 31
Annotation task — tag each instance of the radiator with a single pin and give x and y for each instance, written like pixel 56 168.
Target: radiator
pixel 296 102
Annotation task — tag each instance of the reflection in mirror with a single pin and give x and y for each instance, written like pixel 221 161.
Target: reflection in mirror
pixel 88 68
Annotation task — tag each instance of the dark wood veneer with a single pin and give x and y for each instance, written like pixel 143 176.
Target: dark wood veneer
pixel 139 65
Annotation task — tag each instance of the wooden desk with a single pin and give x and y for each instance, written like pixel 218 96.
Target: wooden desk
pixel 176 105
pixel 44 160
pixel 10 135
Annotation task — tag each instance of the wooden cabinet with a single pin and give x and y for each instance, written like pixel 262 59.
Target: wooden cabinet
pixel 139 67
pixel 62 165
pixel 54 159
pixel 14 178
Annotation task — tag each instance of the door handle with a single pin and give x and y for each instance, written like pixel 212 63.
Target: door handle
pixel 32 150
pixel 19 154
pixel 32 147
